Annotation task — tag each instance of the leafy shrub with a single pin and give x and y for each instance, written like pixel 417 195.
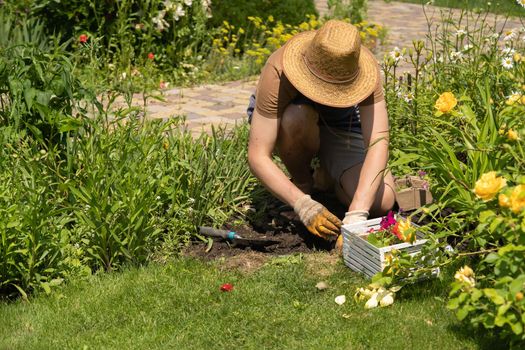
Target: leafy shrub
pixel 174 30
pixel 457 116
pixel 236 12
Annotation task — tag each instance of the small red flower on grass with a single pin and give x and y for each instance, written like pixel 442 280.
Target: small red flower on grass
pixel 151 56
pixel 83 38
pixel 226 287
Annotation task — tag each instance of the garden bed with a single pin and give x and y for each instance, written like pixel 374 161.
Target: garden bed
pixel 270 220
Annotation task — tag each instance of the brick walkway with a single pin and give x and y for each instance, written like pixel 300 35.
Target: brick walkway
pixel 225 104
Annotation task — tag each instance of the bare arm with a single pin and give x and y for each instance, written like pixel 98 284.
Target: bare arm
pixel 374 125
pixel 263 136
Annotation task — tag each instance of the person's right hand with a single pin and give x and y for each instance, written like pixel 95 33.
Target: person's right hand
pixel 317 219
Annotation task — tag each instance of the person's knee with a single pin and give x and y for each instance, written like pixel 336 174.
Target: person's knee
pixel 299 120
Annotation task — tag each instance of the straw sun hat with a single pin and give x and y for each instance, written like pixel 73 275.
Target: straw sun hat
pixel 329 66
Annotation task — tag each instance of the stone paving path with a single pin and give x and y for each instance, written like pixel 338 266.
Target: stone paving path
pixel 225 104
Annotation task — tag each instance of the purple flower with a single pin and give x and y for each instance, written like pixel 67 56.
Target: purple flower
pixel 421 173
pixel 388 221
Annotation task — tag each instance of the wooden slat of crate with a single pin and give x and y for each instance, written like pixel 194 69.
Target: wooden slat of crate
pixel 361 256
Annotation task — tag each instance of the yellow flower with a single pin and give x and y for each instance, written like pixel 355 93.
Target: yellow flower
pixel 517 57
pixel 465 275
pixel 513 99
pixel 270 18
pixel 517 199
pixel 489 185
pixel 512 135
pixel 504 201
pixel 446 102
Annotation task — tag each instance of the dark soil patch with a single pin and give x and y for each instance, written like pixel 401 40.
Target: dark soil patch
pixel 273 220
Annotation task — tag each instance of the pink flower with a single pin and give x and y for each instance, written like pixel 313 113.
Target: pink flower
pixel 226 287
pixel 83 38
pixel 151 56
pixel 388 221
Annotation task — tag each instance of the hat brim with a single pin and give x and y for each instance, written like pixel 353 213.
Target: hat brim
pixel 329 94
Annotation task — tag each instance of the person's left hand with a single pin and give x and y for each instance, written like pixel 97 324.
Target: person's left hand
pixel 351 217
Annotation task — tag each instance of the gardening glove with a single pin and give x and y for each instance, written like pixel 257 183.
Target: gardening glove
pixel 317 219
pixel 354 216
pixel 350 218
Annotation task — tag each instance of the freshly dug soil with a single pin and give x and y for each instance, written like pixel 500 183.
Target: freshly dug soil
pixel 273 220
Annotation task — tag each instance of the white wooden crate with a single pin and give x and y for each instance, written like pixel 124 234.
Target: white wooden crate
pixel 361 256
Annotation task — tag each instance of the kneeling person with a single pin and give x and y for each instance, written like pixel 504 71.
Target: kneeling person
pixel 320 95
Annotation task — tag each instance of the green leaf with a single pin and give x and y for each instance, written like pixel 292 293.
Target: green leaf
pixel 462 313
pixel 485 215
pixel 504 308
pixel 494 296
pixel 476 294
pixel 492 258
pixel 500 320
pixel 517 328
pixel 495 223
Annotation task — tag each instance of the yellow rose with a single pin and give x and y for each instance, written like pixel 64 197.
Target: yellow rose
pixel 446 102
pixel 489 185
pixel 465 275
pixel 504 201
pixel 517 199
pixel 512 135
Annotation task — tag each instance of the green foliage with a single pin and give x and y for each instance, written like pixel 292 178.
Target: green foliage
pixel 355 10
pixel 457 141
pixel 172 30
pixel 236 12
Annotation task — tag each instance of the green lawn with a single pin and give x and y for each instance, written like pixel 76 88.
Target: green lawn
pixel 179 306
pixel 506 7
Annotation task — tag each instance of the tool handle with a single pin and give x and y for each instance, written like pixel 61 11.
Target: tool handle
pixel 213 232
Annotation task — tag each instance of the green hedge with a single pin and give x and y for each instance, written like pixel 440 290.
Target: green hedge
pixel 236 11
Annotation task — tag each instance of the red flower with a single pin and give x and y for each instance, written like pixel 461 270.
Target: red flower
pixel 151 56
pixel 83 38
pixel 227 287
pixel 388 221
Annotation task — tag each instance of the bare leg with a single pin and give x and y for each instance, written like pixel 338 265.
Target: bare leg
pixel 298 142
pixel 385 197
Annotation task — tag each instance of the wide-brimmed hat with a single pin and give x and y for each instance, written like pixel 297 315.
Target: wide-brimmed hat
pixel 329 65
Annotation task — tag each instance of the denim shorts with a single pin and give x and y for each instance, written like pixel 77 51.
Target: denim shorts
pixel 341 140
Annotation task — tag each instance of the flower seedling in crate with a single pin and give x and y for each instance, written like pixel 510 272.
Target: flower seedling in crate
pixel 369 245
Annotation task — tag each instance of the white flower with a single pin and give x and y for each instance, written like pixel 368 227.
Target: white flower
pixel 372 302
pixel 508 51
pixel 461 32
pixel 507 62
pixel 408 97
pixel 456 56
pixel 396 54
pixel 160 22
pixel 509 35
pixel 387 300
pixel 188 2
pixel 168 5
pixel 179 12
pixel 340 299
pixel 521 2
pixel 467 47
pixel 206 6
